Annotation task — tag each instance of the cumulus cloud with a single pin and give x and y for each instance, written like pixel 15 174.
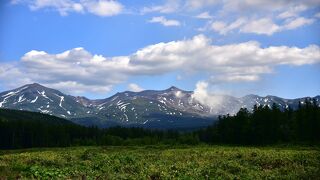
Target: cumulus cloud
pixel 75 71
pixel 80 71
pixel 11 75
pixel 198 53
pixel 64 7
pixel 166 22
pixel 135 87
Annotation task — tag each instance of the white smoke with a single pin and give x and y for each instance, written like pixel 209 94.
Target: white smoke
pixel 202 95
pixel 135 87
pixel 179 94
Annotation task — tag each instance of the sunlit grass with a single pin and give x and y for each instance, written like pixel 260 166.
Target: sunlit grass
pixel 163 162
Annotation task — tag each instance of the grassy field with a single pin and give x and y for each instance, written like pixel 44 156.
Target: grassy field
pixel 161 162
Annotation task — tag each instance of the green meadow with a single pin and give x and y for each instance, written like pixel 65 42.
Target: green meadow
pixel 162 162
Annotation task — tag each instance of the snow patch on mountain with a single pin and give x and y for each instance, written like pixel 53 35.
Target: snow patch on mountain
pixel 61 100
pixel 34 100
pixel 21 99
pixel 11 94
pixel 5 99
pixel 42 93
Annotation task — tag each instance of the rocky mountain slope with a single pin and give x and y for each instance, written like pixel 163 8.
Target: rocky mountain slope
pixel 170 108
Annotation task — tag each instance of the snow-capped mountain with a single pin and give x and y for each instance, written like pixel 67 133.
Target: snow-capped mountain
pixel 168 108
pixel 34 97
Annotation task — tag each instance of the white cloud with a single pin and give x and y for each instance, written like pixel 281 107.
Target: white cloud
pixel 292 12
pixel 77 70
pixel 287 7
pixel 237 77
pixel 298 22
pixel 258 13
pixel 74 87
pixel 261 26
pixel 170 6
pixel 224 28
pixel 219 26
pixel 64 7
pixel 317 15
pixel 199 4
pixel 135 87
pixel 12 76
pixel 166 22
pixel 265 26
pixel 244 60
pixel 263 17
pixel 264 6
pixel 103 7
pixel 204 15
pixel 263 14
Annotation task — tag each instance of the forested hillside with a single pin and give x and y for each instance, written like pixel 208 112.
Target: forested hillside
pixel 267 126
pixel 21 129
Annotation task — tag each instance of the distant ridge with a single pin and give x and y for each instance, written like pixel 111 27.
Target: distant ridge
pixel 169 108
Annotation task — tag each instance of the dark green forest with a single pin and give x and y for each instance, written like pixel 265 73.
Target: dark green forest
pixel 266 126
pixel 262 126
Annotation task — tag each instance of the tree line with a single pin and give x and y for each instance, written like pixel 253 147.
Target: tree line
pixel 267 125
pixel 264 125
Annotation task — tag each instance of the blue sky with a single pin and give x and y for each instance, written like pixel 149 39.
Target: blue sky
pixel 234 47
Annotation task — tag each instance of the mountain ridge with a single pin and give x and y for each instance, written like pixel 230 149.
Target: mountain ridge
pixel 165 108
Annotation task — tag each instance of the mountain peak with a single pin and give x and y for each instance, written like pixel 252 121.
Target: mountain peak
pixel 173 88
pixel 34 85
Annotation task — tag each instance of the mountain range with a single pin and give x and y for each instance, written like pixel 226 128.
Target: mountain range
pixel 170 108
